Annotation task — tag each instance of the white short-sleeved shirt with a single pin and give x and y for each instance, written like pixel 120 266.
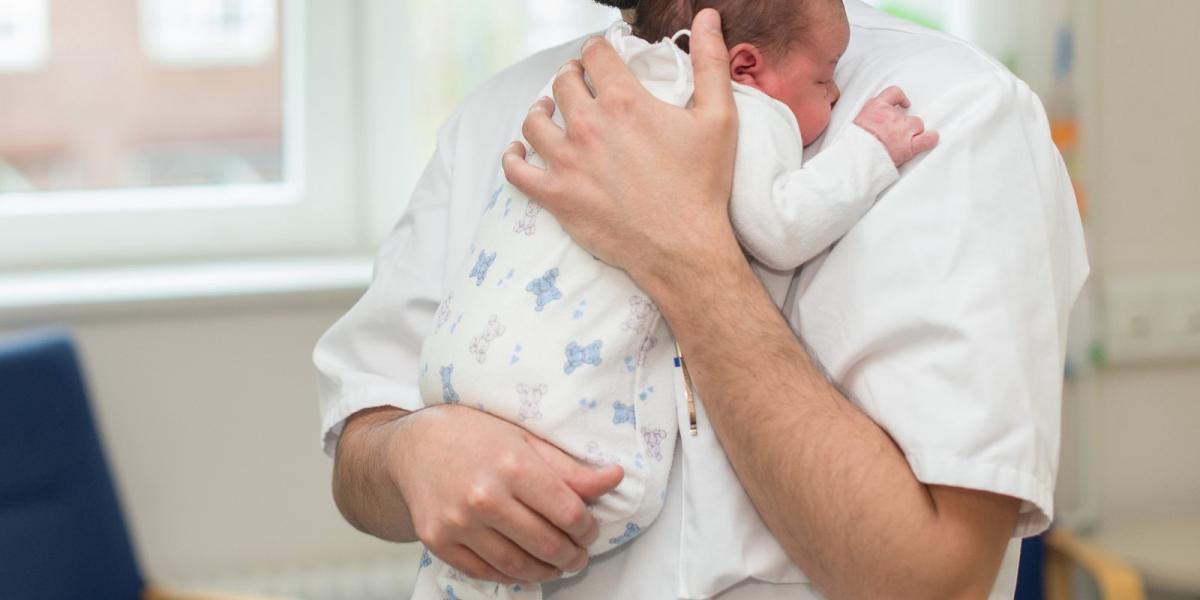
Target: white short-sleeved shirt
pixel 942 314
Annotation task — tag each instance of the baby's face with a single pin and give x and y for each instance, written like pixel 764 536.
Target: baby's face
pixel 802 78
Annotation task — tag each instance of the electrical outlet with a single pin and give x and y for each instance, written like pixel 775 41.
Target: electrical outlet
pixel 1184 323
pixel 1152 319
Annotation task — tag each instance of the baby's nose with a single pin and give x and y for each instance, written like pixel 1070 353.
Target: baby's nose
pixel 837 94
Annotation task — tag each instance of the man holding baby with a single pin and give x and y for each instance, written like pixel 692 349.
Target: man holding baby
pixel 892 431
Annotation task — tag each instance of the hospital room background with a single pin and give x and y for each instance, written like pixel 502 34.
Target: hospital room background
pixel 191 191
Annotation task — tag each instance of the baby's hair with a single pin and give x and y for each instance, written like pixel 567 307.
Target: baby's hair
pixel 621 4
pixel 774 26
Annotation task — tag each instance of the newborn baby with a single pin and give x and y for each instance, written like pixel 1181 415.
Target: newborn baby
pixel 537 331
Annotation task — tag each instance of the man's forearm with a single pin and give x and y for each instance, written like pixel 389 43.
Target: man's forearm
pixel 829 483
pixel 362 485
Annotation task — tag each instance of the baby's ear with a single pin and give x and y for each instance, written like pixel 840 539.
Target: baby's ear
pixel 746 63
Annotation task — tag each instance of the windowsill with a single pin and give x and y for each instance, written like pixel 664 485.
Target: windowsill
pixel 56 295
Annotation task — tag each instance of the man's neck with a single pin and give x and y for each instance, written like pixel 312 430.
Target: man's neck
pixel 630 15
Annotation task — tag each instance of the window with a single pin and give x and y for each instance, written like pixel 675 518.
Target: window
pixel 171 130
pixel 208 33
pixel 444 49
pixel 23 35
pixel 160 131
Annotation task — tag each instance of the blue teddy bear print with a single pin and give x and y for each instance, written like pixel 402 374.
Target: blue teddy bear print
pixel 631 531
pixel 543 288
pixel 482 264
pixel 624 413
pixel 449 396
pixel 578 356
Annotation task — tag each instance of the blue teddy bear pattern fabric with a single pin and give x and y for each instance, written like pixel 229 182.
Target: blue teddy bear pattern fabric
pixel 479 315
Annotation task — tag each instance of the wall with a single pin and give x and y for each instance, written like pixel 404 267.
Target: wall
pixel 208 411
pixel 1141 122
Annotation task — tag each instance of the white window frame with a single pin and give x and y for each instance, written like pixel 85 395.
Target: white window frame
pixel 315 211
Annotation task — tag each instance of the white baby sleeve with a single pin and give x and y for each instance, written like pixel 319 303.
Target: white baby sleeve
pixel 786 212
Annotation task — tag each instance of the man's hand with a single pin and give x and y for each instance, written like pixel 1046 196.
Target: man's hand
pixel 486 496
pixel 886 117
pixel 667 188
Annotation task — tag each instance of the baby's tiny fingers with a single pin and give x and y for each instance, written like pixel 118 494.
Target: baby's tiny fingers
pixel 895 96
pixel 915 125
pixel 925 142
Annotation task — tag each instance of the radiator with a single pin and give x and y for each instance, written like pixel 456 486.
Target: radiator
pixel 389 580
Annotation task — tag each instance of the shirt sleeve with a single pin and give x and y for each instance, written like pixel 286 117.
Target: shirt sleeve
pixel 943 314
pixel 786 212
pixel 369 358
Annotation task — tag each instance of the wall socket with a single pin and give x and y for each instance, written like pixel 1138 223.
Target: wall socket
pixel 1152 319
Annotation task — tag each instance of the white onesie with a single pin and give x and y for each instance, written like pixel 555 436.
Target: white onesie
pixel 539 332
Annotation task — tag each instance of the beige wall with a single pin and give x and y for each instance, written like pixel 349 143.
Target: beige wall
pixel 1145 125
pixel 1142 120
pixel 209 415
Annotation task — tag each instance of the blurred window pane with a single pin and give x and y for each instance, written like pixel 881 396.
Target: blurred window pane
pixel 208 32
pixel 461 43
pixel 141 93
pixel 23 36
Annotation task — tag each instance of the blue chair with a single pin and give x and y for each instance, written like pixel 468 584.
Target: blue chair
pixel 62 535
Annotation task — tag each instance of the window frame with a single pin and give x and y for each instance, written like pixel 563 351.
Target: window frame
pixel 315 210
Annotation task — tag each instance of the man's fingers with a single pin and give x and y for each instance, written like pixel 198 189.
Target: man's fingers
pixel 608 72
pixel 591 483
pixel 553 499
pixel 710 60
pixel 463 559
pixel 538 537
pixel 553 496
pixel 925 142
pixel 541 131
pixel 524 176
pixel 895 96
pixel 570 90
pixel 509 559
pixel 588 482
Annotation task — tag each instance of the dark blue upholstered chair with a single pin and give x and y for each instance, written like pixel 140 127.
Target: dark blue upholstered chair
pixel 62 535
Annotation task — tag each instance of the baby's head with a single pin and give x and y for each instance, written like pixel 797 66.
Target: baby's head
pixel 786 48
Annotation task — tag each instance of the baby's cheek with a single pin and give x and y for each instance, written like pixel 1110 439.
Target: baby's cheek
pixel 813 122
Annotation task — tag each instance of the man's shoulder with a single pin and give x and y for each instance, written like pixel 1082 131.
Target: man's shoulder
pixel 885 47
pixel 516 87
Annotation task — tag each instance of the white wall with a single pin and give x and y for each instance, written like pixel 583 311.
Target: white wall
pixel 208 411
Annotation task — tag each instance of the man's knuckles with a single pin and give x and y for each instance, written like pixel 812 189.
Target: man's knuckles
pixel 575 516
pixel 620 101
pixel 484 498
pixel 434 536
pixel 510 465
pixel 554 550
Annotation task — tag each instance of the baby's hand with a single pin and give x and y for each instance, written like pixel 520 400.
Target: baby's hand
pixel 885 116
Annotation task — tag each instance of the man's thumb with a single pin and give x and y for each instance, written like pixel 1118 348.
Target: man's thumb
pixel 710 61
pixel 587 481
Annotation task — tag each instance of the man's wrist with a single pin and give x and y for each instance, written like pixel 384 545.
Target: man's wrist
pixel 692 282
pixel 364 485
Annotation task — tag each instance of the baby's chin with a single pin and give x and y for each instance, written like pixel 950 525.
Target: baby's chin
pixel 812 138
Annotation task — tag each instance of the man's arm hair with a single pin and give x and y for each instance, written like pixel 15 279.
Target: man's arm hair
pixel 362 485
pixel 830 484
